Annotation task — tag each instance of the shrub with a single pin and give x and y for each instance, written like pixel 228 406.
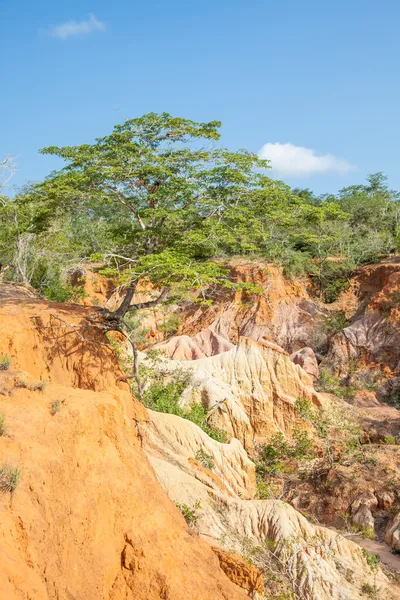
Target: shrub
pixel 335 321
pixel 373 560
pixel 370 590
pixel 297 264
pixel 9 478
pixel 164 397
pixel 332 385
pixel 205 459
pixel 264 491
pixel 366 532
pixel 3 425
pixel 273 455
pixel 55 406
pixel 170 325
pixel 390 440
pixel 190 512
pixel 5 363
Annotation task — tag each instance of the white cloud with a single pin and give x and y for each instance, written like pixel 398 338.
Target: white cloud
pixel 288 159
pixel 72 28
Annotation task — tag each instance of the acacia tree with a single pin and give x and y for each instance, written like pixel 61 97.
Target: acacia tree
pixel 162 187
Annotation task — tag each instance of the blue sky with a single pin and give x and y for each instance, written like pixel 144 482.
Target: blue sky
pixel 320 76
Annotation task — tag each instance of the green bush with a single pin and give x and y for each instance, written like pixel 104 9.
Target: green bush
pixel 5 363
pixel 332 385
pixel 334 278
pixel 297 264
pixel 371 591
pixel 373 560
pixel 390 440
pixel 164 397
pixel 189 512
pixel 264 491
pixel 272 456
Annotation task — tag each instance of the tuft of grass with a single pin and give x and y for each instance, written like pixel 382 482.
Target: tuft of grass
pixel 55 406
pixel 34 386
pixel 5 363
pixel 389 440
pixel 9 478
pixel 3 425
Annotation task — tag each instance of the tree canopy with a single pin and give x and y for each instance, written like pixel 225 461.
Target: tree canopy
pixel 160 198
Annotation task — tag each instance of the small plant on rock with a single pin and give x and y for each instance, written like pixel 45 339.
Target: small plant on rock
pixel 5 363
pixel 55 406
pixel 371 591
pixel 205 459
pixel 190 512
pixel 373 560
pixel 9 478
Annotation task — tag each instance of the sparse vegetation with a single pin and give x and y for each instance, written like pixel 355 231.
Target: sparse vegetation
pixel 373 560
pixel 55 406
pixel 33 386
pixel 333 385
pixel 5 363
pixel 390 440
pixel 264 490
pixel 205 459
pixel 163 392
pixel 9 478
pixel 3 425
pixel 370 590
pixel 190 512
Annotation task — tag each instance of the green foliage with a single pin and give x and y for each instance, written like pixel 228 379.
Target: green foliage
pixel 164 396
pixel 205 459
pixel 170 324
pixel 336 428
pixel 366 532
pixel 9 478
pixel 5 363
pixel 189 512
pixel 372 559
pixel 272 456
pixel 390 440
pixel 393 397
pixel 335 321
pixel 3 425
pixel 332 385
pixel 264 491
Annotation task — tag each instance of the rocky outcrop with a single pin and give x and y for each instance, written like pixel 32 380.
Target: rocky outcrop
pixel 241 572
pixel 314 560
pixel 203 344
pixel 283 311
pixel 392 535
pixel 251 389
pixel 305 357
pixel 374 332
pixel 88 519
